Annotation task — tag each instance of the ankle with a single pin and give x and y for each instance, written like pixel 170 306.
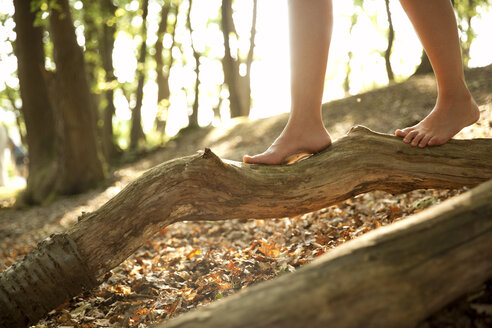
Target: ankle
pixel 310 119
pixel 450 99
pixel 456 93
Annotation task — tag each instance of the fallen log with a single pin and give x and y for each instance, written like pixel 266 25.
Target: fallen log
pixel 394 276
pixel 203 186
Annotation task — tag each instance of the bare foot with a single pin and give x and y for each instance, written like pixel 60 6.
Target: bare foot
pixel 447 118
pixel 296 140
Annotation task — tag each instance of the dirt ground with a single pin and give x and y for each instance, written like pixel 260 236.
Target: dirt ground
pixel 190 264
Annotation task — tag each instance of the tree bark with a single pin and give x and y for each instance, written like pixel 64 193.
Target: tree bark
pixel 36 107
pixel 136 133
pixel 204 187
pixel 395 276
pixel 80 166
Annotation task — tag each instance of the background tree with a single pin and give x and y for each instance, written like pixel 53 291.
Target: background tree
pixel 136 132
pixel 36 107
pixel 163 71
pixel 391 38
pixel 80 166
pixel 196 56
pixel 353 21
pixel 106 41
pixel 239 86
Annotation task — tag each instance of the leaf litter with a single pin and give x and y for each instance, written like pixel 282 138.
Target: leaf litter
pixel 191 264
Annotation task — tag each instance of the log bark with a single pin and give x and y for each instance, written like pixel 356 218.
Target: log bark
pixel 203 186
pixel 395 276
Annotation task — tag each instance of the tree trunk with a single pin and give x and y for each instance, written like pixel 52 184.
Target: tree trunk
pixel 196 55
pixel 203 187
pixel 163 93
pixel 80 166
pixel 238 86
pixel 391 37
pixel 246 87
pixel 348 70
pixel 36 107
pixel 392 277
pixel 162 81
pixel 110 148
pixel 136 134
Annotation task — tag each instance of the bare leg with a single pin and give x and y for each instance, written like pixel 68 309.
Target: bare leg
pixel 310 36
pixel 455 108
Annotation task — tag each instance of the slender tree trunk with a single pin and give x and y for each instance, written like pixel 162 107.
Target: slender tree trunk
pixel 80 165
pixel 229 65
pixel 239 86
pixel 162 81
pixel 196 55
pixel 202 186
pixel 194 114
pixel 164 93
pixel 246 80
pixel 470 33
pixel 36 107
pixel 391 37
pixel 348 70
pixel 136 133
pixel 110 148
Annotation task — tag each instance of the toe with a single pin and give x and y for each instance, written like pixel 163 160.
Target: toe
pixel 424 141
pixel 434 141
pixel 417 139
pixel 256 159
pixel 263 158
pixel 402 132
pixel 437 141
pixel 246 158
pixel 409 137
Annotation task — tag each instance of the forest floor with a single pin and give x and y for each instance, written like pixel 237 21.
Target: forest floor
pixel 190 264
